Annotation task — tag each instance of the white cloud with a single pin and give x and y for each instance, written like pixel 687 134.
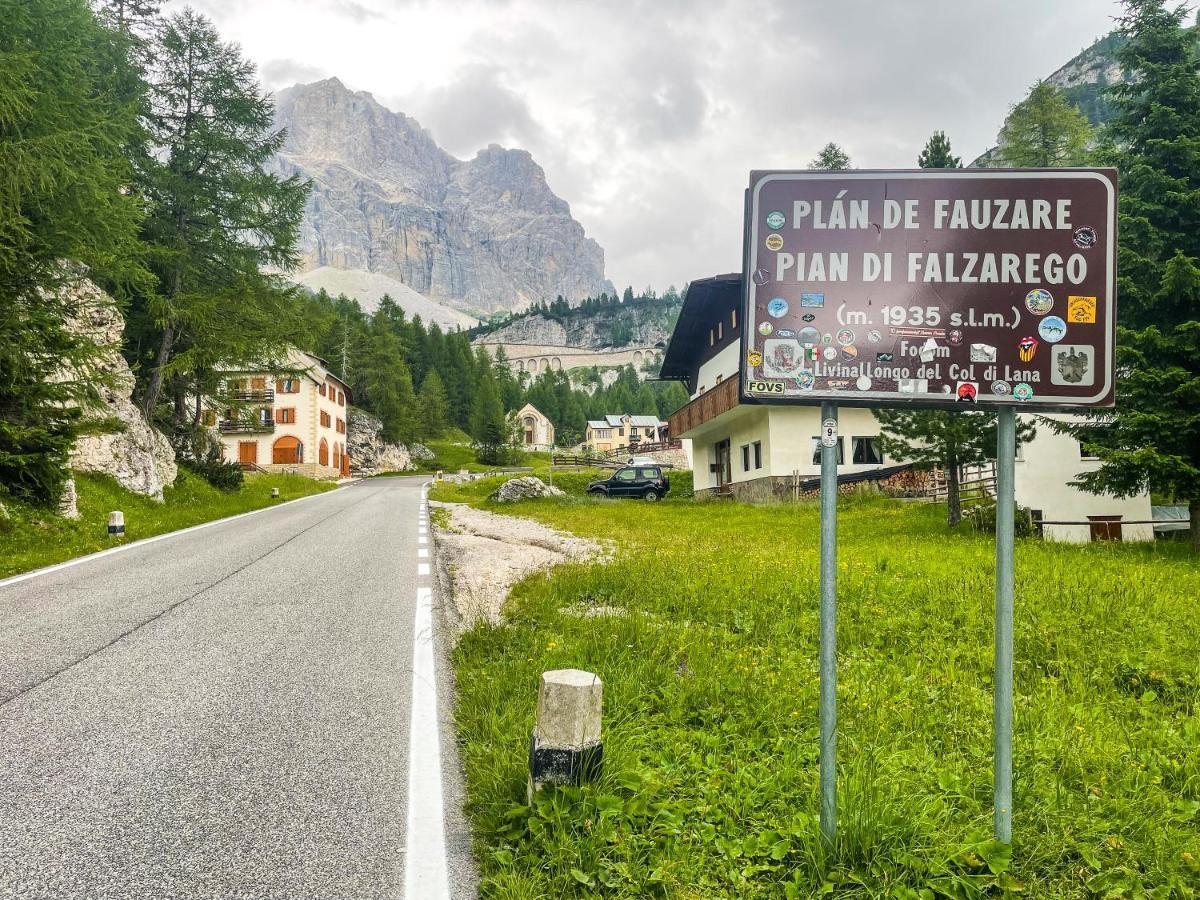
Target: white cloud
pixel 648 115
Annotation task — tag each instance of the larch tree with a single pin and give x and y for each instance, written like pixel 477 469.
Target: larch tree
pixel 63 131
pixel 1151 440
pixel 218 223
pixel 1044 130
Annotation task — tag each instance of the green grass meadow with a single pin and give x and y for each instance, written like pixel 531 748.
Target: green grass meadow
pixel 31 538
pixel 454 452
pixel 710 786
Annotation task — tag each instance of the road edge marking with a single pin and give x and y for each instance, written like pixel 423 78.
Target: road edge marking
pixel 426 874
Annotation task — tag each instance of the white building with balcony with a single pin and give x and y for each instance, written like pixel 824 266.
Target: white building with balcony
pixel 292 423
pixel 760 451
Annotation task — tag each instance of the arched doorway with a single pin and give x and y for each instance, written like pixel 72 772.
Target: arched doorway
pixel 323 453
pixel 530 426
pixel 287 451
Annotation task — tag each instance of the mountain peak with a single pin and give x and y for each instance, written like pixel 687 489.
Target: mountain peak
pixel 484 234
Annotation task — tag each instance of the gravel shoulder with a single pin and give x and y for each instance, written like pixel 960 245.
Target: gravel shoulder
pixel 481 555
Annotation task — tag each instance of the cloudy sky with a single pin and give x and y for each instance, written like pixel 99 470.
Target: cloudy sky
pixel 648 116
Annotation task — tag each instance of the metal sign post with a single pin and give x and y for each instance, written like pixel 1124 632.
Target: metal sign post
pixel 964 289
pixel 1002 708
pixel 828 710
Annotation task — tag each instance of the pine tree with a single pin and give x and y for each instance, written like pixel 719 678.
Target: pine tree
pixel 831 157
pixel 937 155
pixel 217 221
pixel 1044 130
pixel 488 426
pixel 945 438
pixel 644 401
pixel 1152 438
pixel 628 295
pixel 63 129
pixel 389 388
pixel 433 408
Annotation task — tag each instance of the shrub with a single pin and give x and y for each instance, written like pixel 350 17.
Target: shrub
pixel 983 517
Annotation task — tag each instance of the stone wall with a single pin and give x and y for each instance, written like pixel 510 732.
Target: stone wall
pixel 780 488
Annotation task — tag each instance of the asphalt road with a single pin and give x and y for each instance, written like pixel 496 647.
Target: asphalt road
pixel 224 713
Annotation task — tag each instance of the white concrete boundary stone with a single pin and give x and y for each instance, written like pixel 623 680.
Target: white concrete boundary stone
pixel 116 523
pixel 566 746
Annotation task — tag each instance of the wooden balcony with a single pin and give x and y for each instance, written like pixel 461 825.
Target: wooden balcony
pixel 230 427
pixel 708 405
pixel 262 395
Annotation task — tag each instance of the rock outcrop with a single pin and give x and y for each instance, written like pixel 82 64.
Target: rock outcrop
pixel 369 453
pixel 484 234
pixel 527 487
pixel 138 456
pixel 481 555
pixel 626 325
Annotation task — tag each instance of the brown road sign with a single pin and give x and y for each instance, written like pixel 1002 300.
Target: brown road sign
pixel 931 287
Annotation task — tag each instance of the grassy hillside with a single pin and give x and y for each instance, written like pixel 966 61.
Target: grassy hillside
pixel 31 538
pixel 710 711
pixel 454 452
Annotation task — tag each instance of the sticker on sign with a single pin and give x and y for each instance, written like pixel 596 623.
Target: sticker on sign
pixel 948 274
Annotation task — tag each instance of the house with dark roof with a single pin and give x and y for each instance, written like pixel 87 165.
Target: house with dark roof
pixel 760 451
pixel 623 431
pixel 754 451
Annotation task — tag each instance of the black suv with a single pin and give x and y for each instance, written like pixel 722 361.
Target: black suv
pixel 648 482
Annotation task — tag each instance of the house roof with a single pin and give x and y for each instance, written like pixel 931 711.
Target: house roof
pixel 694 320
pixel 324 367
pixel 530 408
pixel 636 421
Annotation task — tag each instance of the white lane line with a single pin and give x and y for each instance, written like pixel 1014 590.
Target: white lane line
pixel 421 531
pixel 422 568
pixel 421 539
pixel 58 567
pixel 425 876
pixel 422 553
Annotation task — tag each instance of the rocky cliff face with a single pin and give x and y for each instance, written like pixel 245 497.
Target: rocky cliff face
pixel 628 325
pixel 139 457
pixel 370 454
pixel 485 234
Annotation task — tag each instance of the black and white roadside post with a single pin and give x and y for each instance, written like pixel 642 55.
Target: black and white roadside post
pixel 828 705
pixel 116 523
pixel 566 745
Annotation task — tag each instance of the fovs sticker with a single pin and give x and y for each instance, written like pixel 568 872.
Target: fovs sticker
pixel 764 387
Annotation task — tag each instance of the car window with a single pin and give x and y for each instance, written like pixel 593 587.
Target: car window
pixel 647 473
pixel 626 475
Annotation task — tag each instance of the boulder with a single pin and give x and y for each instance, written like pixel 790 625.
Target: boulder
pixel 138 456
pixel 369 453
pixel 527 487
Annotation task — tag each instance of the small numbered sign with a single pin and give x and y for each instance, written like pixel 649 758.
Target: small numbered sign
pixel 829 433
